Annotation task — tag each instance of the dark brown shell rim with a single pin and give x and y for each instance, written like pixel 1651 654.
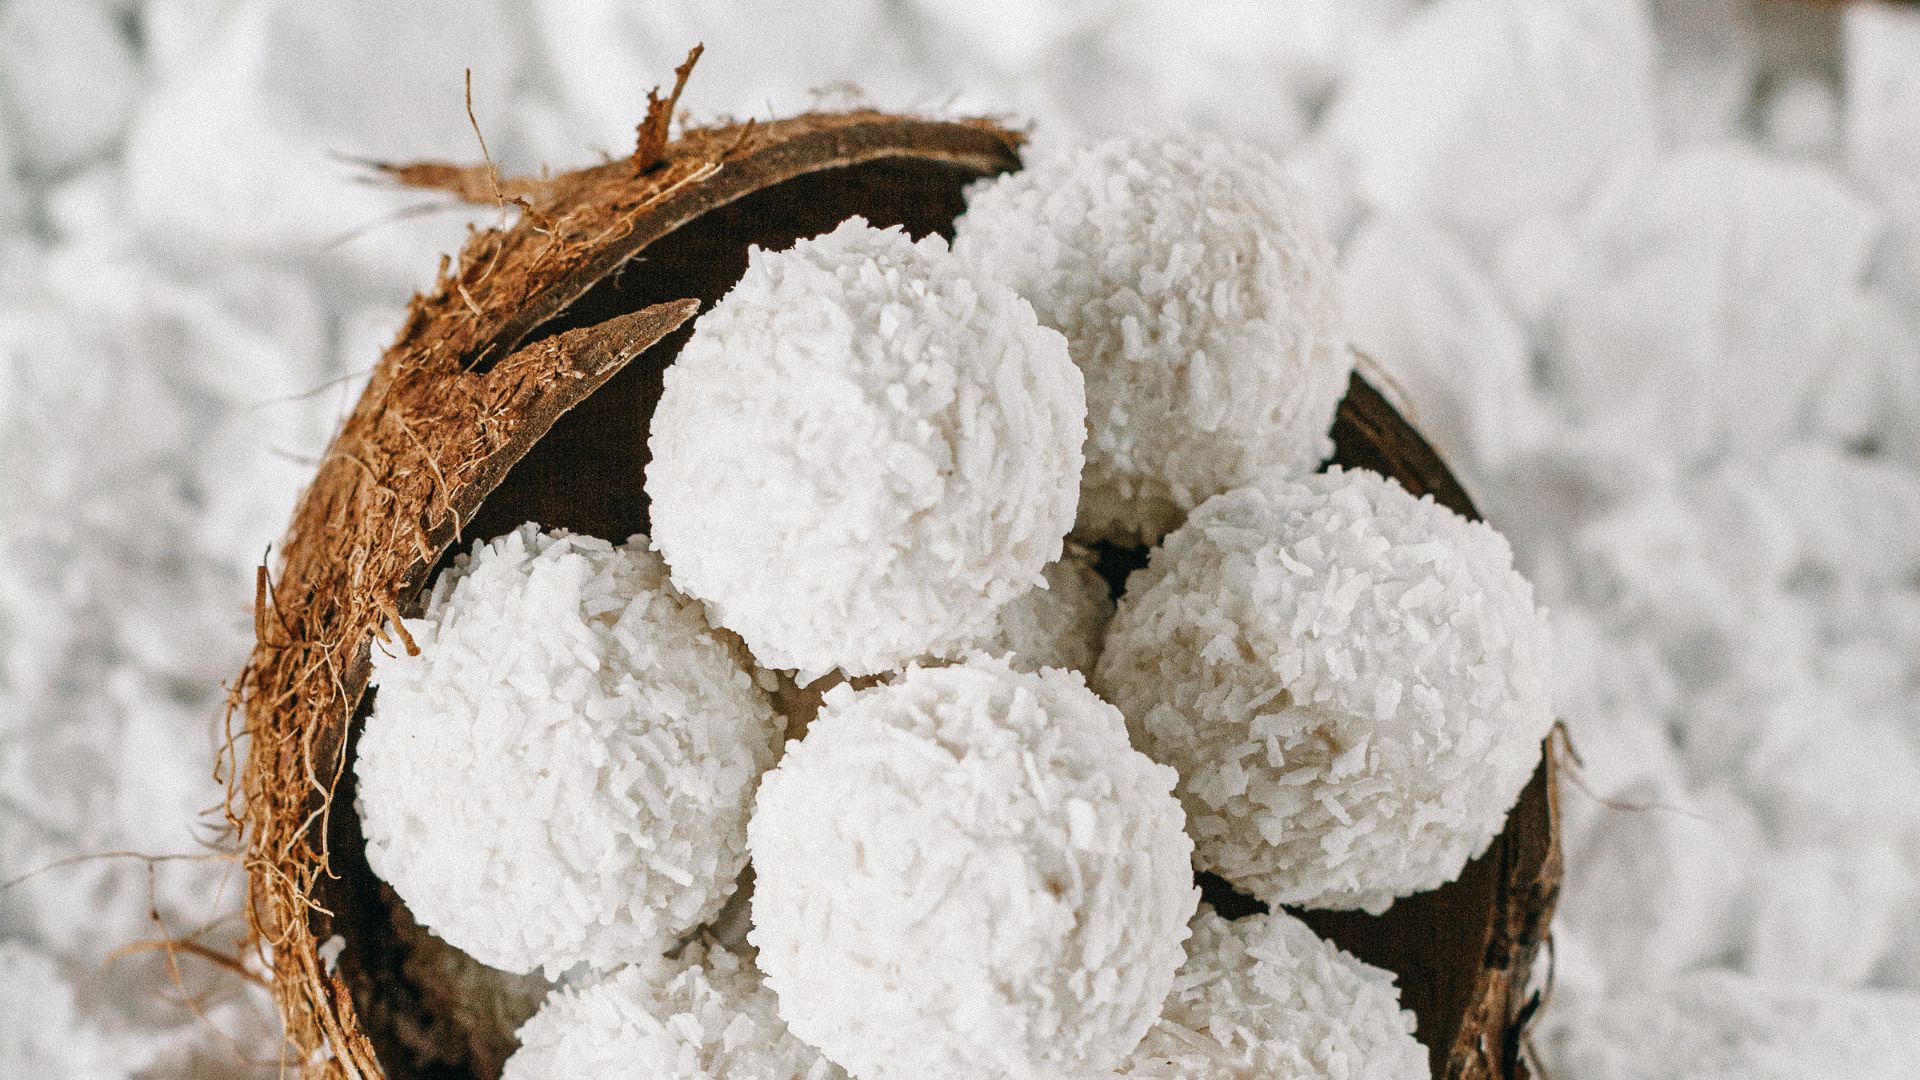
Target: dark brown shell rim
pixel 519 389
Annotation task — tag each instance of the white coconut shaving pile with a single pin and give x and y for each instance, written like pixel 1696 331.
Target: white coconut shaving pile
pixel 1198 297
pixel 1713 1024
pixel 561 772
pixel 969 872
pixel 863 452
pixel 705 1015
pixel 1647 270
pixel 1352 682
pixel 1265 996
pixel 44 1035
pixel 728 930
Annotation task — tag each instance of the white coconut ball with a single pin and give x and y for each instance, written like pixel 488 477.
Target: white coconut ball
pixel 1264 996
pixel 1060 625
pixel 863 452
pixel 562 774
pixel 1199 298
pixel 703 1016
pixel 967 872
pixel 1352 683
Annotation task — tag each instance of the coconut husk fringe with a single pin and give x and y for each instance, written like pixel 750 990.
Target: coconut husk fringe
pixel 411 465
pixel 448 411
pixel 486 364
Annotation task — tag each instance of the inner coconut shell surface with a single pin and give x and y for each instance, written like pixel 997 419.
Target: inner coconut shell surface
pixel 521 390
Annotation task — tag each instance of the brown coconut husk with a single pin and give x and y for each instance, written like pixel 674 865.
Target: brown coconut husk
pixel 520 389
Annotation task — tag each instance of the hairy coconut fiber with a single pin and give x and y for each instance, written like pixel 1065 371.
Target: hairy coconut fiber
pixel 521 389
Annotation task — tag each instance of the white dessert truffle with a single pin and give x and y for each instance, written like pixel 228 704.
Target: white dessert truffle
pixel 1060 625
pixel 1352 683
pixel 862 453
pixel 703 1016
pixel 968 872
pixel 1199 299
pixel 1264 996
pixel 563 772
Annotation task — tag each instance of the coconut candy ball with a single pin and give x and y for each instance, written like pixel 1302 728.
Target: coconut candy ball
pixel 703 1016
pixel 1059 625
pixel 967 872
pixel 563 771
pixel 863 452
pixel 1198 298
pixel 1352 683
pixel 1264 996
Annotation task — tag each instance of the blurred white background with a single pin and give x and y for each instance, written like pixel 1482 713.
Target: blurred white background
pixel 1648 271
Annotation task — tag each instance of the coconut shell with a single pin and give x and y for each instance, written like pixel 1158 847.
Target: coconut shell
pixel 520 388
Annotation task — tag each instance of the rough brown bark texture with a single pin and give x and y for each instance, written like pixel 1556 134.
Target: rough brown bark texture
pixel 520 389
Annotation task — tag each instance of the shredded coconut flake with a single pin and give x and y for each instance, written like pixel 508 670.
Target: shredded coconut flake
pixel 862 453
pixel 968 872
pixel 1199 299
pixel 1353 684
pixel 564 772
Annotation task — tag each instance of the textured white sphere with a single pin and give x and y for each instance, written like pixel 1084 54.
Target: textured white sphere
pixel 1264 996
pixel 967 872
pixel 862 453
pixel 1198 297
pixel 1353 684
pixel 562 774
pixel 705 1015
pixel 1060 625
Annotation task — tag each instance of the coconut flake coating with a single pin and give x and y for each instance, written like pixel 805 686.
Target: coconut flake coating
pixel 1060 625
pixel 967 872
pixel 563 773
pixel 703 1016
pixel 1198 298
pixel 1264 996
pixel 1352 683
pixel 861 453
